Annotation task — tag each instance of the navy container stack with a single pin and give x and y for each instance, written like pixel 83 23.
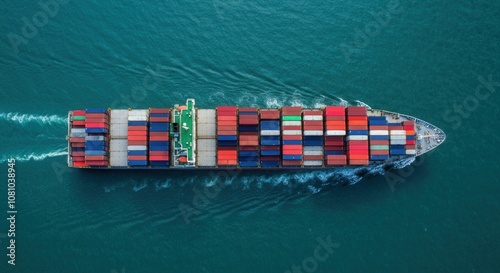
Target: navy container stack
pixel 159 137
pixel 137 148
pixel 270 138
pixel 313 137
pixel 379 138
pixel 248 127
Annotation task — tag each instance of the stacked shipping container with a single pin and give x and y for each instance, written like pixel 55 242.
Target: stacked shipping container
pixel 313 137
pixel 248 127
pixel 379 138
pixel 270 138
pixel 292 136
pixel 227 136
pixel 397 139
pixel 409 127
pixel 159 137
pixel 206 137
pixel 118 131
pixel 335 131
pixel 137 138
pixel 77 138
pixel 96 141
pixel 357 139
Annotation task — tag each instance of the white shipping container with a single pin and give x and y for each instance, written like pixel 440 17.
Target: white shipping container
pixel 118 145
pixel 398 142
pixel 398 132
pixel 137 118
pixel 78 130
pixel 206 159
pixel 335 133
pixel 269 132
pixel 313 152
pixel 398 137
pixel 206 130
pixel 206 145
pixel 138 112
pixel 118 159
pixel 291 123
pixel 313 163
pixel 119 116
pixel 118 130
pixel 77 135
pixel 379 132
pixel 292 132
pixel 313 133
pixel 411 152
pixel 206 115
pixel 313 148
pixel 313 117
pixel 357 137
pixel 137 148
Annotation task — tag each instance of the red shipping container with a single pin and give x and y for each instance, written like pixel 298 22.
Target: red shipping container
pixel 158 158
pixel 227 123
pixel 226 157
pixel 291 127
pixel 95 115
pixel 97 120
pixel 227 118
pixel 96 125
pixel 137 133
pixel 226 128
pixel 158 138
pixel 297 163
pixel 249 142
pixel 153 153
pixel 77 139
pixel 359 162
pixel 377 127
pixel 78 123
pixel 410 147
pixel 78 112
pixel 78 158
pixel 249 121
pixel 269 114
pixel 313 128
pixel 267 148
pixel 395 128
pixel 334 148
pixel 159 110
pixel 313 122
pixel 226 108
pixel 409 122
pixel 357 142
pixel 96 163
pixel 270 158
pixel 79 164
pixel 358 127
pixel 334 142
pixel 334 110
pixel 335 118
pixel 159 119
pixel 357 157
pixel 357 152
pixel 410 142
pixel 379 142
pixel 137 128
pixel 137 142
pixel 357 122
pixel 226 133
pixel 96 157
pixel 410 133
pixel 292 152
pixel 144 138
pixel 379 152
pixel 336 157
pixel 335 123
pixel 222 162
pixel 357 118
pixel 78 153
pixel 248 109
pixel 292 147
pixel 78 144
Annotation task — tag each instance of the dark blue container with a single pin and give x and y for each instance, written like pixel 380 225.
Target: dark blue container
pixel 379 137
pixel 314 142
pixel 249 154
pixel 410 137
pixel 137 123
pixel 334 152
pixel 78 149
pixel 137 152
pixel 95 110
pixel 265 142
pixel 292 157
pixel 377 122
pixel 248 128
pixel 269 164
pixel 292 142
pixel 249 163
pixel 159 148
pixel 379 157
pixel 96 130
pixel 270 152
pixel 164 164
pixel 270 123
pixel 397 147
pixel 397 152
pixel 358 132
pixel 96 153
pixel 159 143
pixel 227 138
pixel 159 115
pixel 137 163
pixel 227 143
pixel 376 118
pixel 159 129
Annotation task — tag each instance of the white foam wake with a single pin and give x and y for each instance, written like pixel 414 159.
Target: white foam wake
pixel 360 103
pixel 36 157
pixel 29 118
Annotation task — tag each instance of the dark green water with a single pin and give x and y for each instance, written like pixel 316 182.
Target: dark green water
pixel 441 214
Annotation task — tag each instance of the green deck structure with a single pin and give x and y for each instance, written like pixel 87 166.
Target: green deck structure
pixel 184 140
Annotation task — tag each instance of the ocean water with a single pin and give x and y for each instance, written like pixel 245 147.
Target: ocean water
pixel 436 60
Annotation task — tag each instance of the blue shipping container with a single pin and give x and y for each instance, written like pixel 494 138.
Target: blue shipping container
pixel 137 152
pixel 137 163
pixel 96 110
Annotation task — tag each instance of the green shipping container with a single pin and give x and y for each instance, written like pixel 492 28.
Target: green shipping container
pixel 379 147
pixel 78 117
pixel 290 118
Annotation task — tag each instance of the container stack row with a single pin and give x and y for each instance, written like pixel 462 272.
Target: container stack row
pixel 335 131
pixel 397 139
pixel 379 138
pixel 357 139
pixel 77 138
pixel 270 138
pixel 159 137
pixel 137 138
pixel 409 127
pixel 248 127
pixel 96 141
pixel 206 146
pixel 292 136
pixel 227 136
pixel 313 137
pixel 118 131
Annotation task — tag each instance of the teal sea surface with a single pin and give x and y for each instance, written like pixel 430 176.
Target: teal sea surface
pixel 435 60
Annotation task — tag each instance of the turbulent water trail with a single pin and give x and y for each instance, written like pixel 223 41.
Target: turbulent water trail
pixel 24 119
pixel 36 156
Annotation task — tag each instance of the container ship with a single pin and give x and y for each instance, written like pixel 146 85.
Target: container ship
pixel 290 137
